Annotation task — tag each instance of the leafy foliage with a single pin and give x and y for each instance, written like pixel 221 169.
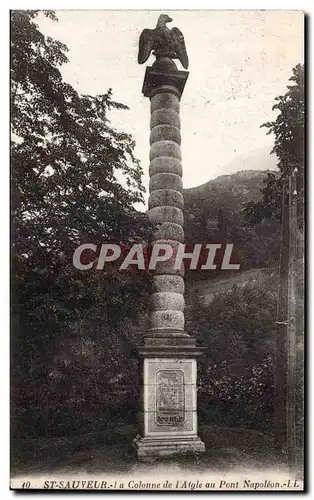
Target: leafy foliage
pixel 74 180
pixel 288 129
pixel 239 331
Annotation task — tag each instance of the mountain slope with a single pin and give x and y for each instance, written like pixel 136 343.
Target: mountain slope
pixel 226 192
pixel 213 212
pixel 257 159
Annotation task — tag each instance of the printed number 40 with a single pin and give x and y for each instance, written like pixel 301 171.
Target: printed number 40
pixel 26 485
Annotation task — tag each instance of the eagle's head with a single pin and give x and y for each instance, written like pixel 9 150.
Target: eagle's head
pixel 163 19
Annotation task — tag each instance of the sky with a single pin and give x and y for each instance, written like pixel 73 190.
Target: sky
pixel 239 62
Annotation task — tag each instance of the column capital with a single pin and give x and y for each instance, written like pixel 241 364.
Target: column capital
pixel 156 81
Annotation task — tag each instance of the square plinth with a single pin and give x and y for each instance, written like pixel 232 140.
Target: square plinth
pixel 169 408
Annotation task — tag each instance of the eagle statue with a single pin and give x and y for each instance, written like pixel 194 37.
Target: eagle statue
pixel 164 42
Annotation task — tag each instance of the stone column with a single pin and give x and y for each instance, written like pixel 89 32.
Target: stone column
pixel 167 353
pixel 166 199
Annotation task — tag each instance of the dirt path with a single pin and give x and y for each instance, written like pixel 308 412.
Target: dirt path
pixel 227 449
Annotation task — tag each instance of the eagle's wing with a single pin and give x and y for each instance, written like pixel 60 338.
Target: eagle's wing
pixel 179 43
pixel 145 45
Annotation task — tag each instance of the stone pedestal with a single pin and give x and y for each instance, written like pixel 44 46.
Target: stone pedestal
pixel 167 354
pixel 169 397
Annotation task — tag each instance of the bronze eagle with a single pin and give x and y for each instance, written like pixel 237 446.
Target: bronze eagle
pixel 164 42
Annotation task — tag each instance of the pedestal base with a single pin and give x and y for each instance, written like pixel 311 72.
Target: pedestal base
pixel 152 448
pixel 168 421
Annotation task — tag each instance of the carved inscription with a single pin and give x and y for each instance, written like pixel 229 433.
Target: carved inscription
pixel 170 397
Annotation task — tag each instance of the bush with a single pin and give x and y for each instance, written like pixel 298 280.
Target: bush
pixel 236 379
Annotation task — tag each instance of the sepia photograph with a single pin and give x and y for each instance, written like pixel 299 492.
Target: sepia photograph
pixel 157 250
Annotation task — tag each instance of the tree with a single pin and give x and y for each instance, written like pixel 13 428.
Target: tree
pixel 288 129
pixel 65 157
pixel 238 328
pixel 283 199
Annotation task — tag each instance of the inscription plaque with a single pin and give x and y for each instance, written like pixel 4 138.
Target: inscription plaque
pixel 170 407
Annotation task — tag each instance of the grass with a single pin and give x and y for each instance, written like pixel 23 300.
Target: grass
pixel 111 451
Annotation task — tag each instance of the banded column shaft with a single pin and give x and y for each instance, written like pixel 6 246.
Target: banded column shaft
pixel 165 208
pixel 168 424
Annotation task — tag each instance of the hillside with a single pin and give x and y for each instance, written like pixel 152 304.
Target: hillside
pixel 257 159
pixel 226 192
pixel 213 213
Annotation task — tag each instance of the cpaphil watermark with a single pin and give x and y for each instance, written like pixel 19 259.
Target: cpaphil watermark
pixel 176 255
